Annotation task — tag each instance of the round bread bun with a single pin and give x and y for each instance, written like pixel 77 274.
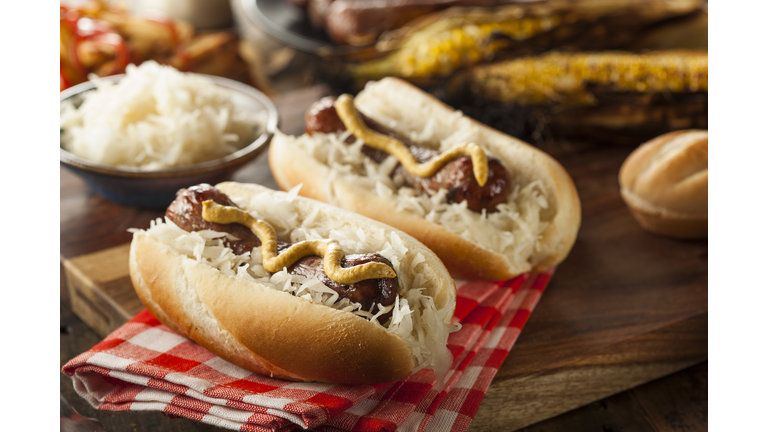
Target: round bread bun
pixel 665 184
pixel 275 333
pixel 292 165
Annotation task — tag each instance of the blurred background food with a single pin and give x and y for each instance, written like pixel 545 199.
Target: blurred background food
pixel 202 14
pixel 439 43
pixel 398 23
pixel 101 37
pixel 621 71
pixel 617 71
pixel 137 139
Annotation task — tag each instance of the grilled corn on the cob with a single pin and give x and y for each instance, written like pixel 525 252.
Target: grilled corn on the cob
pixel 441 43
pixel 572 78
pixel 452 44
pixel 605 96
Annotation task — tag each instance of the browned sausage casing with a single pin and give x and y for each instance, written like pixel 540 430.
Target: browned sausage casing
pixel 186 211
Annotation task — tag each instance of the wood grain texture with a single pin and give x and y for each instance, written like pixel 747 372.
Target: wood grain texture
pixel 100 289
pixel 677 402
pixel 618 282
pixel 625 308
pixel 615 368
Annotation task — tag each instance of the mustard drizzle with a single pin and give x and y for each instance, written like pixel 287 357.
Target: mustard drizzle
pixel 345 107
pixel 330 250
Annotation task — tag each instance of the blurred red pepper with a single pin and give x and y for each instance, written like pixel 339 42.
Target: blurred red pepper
pixel 105 49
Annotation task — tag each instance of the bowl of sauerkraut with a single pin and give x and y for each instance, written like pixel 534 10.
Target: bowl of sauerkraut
pixel 138 138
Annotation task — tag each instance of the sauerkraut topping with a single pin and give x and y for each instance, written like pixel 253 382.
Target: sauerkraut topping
pixel 156 118
pixel 513 230
pixel 415 317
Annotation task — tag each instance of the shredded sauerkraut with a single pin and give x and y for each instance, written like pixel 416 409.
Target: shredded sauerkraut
pixel 155 118
pixel 513 230
pixel 415 318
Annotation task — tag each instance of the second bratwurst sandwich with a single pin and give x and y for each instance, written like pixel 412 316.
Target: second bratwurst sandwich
pixel 295 289
pixel 489 205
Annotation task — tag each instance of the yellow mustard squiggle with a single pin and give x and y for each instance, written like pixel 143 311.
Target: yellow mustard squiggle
pixel 330 250
pixel 345 107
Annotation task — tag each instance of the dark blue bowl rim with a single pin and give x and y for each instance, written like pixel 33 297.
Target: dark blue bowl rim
pixel 240 156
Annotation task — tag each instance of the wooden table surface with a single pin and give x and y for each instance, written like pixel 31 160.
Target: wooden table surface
pixel 625 308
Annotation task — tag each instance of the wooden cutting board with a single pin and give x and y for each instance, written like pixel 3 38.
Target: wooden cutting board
pixel 626 307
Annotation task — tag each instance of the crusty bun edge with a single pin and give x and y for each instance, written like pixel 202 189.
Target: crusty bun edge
pixel 158 277
pixel 678 225
pixel 262 329
pixel 463 258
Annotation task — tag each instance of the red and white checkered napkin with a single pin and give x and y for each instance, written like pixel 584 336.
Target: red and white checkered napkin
pixel 143 366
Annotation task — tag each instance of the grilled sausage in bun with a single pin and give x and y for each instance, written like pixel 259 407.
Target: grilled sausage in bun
pixel 292 288
pixel 489 205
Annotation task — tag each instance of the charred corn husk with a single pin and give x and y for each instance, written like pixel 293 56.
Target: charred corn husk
pixel 443 42
pixel 571 79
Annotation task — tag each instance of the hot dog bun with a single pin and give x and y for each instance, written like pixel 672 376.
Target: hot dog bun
pixel 411 112
pixel 275 333
pixel 665 184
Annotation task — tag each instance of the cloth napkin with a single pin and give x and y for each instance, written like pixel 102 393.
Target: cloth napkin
pixel 144 366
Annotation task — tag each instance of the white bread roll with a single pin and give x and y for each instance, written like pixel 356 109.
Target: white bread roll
pixel 535 231
pixel 255 323
pixel 665 184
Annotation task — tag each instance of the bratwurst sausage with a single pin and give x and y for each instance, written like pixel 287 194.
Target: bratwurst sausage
pixel 456 176
pixel 186 211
